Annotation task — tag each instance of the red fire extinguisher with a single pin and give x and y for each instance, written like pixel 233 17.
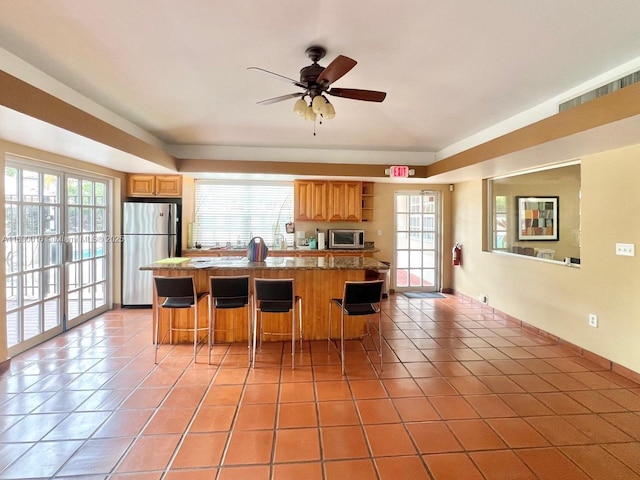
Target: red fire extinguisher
pixel 457 254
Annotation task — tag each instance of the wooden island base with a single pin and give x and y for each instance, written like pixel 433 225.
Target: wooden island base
pixel 316 280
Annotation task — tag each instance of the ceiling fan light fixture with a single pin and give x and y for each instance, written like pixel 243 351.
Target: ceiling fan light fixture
pixel 310 114
pixel 328 111
pixel 300 107
pixel 318 104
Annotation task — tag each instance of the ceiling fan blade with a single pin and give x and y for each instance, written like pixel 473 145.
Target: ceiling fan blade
pixel 281 98
pixel 281 77
pixel 354 93
pixel 336 69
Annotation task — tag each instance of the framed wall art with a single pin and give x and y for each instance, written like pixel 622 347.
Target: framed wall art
pixel 538 218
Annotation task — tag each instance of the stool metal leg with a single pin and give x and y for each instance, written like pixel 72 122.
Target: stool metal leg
pixel 249 330
pixel 329 331
pixel 155 360
pixel 342 339
pixel 300 320
pixel 293 338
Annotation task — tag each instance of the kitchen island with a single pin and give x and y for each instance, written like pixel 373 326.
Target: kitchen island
pixel 316 280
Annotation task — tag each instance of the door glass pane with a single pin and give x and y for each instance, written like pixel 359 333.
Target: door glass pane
pixel 74 220
pixel 51 286
pixel 87 220
pixel 14 325
pixel 415 258
pixel 32 322
pixel 13 292
pixel 12 258
pixel 428 277
pixel 30 220
pixel 52 251
pixel 87 299
pixel 100 214
pixel 51 188
pixel 10 184
pixel 73 191
pixel 11 220
pixel 87 272
pixel 100 297
pixel 31 287
pixel 51 313
pixel 428 259
pixel 73 275
pixel 402 240
pixel 415 277
pixel 87 192
pixel 100 269
pixel 73 304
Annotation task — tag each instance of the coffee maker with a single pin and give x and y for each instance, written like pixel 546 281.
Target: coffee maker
pixel 301 239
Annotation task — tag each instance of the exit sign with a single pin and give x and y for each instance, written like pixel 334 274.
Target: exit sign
pixel 399 171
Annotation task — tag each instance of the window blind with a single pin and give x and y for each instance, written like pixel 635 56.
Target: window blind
pixel 234 212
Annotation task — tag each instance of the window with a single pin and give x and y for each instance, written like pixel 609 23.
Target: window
pixel 500 222
pixel 233 213
pixel 559 181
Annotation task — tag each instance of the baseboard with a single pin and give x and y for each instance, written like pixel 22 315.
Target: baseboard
pixel 4 365
pixel 594 358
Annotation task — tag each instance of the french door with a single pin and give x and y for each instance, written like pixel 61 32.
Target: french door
pixel 55 251
pixel 417 250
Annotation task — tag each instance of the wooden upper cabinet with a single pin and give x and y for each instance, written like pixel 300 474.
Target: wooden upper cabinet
pixel 310 200
pixel 141 185
pixel 345 201
pixel 168 185
pixel 154 185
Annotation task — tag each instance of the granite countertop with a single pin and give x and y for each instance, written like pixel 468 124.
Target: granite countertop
pixel 292 250
pixel 275 263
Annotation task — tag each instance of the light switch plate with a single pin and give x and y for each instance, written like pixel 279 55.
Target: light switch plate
pixel 626 249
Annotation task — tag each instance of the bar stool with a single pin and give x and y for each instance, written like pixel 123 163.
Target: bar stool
pixel 275 295
pixel 178 293
pixel 226 293
pixel 358 299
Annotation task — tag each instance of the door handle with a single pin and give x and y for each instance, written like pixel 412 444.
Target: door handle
pixel 67 248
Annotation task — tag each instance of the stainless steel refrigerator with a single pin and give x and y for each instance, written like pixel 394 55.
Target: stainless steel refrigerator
pixel 149 234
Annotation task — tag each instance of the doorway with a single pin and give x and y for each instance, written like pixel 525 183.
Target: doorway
pixel 56 254
pixel 417 227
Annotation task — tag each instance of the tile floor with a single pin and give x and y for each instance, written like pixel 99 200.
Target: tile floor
pixel 463 396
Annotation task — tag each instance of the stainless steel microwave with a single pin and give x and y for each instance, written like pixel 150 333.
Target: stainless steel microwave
pixel 346 238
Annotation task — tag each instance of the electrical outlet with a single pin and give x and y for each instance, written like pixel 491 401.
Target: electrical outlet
pixel 483 298
pixel 593 320
pixel 626 249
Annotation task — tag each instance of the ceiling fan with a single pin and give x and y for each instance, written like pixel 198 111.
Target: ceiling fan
pixel 315 81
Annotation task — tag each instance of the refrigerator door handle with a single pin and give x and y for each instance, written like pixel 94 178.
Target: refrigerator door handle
pixel 170 247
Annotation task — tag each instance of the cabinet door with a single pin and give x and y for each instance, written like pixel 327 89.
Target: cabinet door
pixel 141 185
pixel 345 201
pixel 310 200
pixel 168 185
pixel 353 201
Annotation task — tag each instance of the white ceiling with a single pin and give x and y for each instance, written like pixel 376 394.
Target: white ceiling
pixel 176 71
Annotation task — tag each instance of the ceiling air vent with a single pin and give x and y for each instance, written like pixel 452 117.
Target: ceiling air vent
pixel 600 91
